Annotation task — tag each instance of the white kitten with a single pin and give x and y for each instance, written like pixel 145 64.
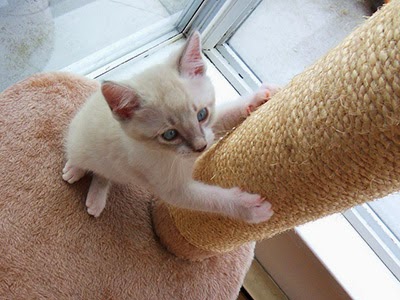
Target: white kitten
pixel 149 131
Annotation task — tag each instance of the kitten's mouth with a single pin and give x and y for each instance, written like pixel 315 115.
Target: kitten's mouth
pixel 191 154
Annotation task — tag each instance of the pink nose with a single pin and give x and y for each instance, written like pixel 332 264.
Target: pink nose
pixel 200 149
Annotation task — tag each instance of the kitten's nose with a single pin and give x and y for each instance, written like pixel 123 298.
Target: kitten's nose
pixel 201 149
pixel 198 144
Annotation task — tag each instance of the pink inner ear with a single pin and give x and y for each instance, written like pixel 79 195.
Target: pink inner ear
pixel 122 100
pixel 191 62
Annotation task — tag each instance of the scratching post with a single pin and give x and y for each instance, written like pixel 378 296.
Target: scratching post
pixel 328 141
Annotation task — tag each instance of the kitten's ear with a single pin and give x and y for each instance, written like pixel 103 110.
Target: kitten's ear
pixel 191 62
pixel 122 100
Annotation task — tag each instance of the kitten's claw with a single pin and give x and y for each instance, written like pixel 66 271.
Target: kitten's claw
pixel 253 208
pixel 260 213
pixel 72 174
pixel 262 95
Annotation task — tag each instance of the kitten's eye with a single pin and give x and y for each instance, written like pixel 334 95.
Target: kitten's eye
pixel 202 114
pixel 170 134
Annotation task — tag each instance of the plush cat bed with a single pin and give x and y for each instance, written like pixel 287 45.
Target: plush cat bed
pixel 51 248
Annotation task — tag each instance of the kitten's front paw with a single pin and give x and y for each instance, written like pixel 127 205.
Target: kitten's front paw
pixel 94 206
pixel 252 208
pixel 71 173
pixel 262 95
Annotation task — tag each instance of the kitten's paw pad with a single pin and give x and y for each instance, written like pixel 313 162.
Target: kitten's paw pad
pixel 261 96
pixel 272 88
pixel 94 207
pixel 253 208
pixel 72 174
pixel 259 213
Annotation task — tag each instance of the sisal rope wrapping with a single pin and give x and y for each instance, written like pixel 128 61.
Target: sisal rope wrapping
pixel 328 141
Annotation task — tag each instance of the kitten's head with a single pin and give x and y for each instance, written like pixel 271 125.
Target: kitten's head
pixel 169 106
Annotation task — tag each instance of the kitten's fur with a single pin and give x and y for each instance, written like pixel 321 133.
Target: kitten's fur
pixel 117 135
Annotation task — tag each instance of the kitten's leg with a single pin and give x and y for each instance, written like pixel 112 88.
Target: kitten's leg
pixel 232 113
pixel 71 173
pixel 232 202
pixel 97 195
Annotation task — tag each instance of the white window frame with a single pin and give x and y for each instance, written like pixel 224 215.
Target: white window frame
pixel 219 29
pixel 137 45
pixel 134 46
pixel 377 235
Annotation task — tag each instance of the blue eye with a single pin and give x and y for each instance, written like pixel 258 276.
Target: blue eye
pixel 170 134
pixel 202 114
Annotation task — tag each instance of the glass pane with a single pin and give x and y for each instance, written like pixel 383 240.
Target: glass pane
pixel 280 38
pixel 43 35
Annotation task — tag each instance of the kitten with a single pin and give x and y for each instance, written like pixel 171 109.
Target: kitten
pixel 149 130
